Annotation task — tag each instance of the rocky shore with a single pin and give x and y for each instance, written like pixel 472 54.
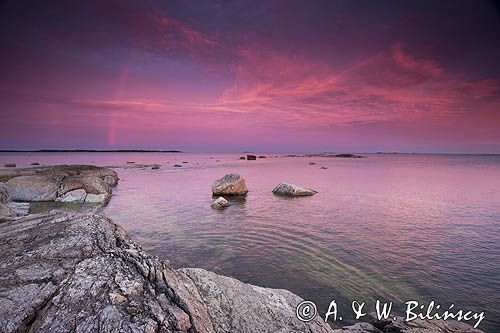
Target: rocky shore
pixel 80 272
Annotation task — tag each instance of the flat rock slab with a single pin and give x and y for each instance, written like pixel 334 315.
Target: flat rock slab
pixel 64 170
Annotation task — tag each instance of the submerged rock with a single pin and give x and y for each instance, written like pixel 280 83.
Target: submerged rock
pixel 220 202
pixel 292 190
pixel 251 157
pixel 243 158
pixel 230 184
pixel 10 165
pixel 177 166
pixel 35 163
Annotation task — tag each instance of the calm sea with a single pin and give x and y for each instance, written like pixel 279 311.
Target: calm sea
pixel 389 227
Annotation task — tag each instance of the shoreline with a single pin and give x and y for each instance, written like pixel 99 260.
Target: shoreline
pixel 148 289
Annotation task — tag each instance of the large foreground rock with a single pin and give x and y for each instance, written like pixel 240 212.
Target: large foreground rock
pixel 63 272
pixel 234 306
pixel 292 190
pixel 230 184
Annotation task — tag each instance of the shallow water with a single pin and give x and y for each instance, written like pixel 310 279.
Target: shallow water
pixel 394 227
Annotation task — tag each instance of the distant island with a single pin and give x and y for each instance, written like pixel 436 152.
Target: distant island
pixel 88 151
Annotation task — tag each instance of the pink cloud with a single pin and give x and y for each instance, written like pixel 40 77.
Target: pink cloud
pixel 390 86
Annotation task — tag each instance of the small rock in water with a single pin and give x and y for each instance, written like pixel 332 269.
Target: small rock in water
pixel 292 190
pixel 230 184
pixel 312 163
pixel 35 163
pixel 262 156
pixel 184 162
pixel 324 168
pixel 251 157
pixel 243 158
pixel 177 166
pixel 220 202
pixel 155 167
pixel 10 165
pixel 129 162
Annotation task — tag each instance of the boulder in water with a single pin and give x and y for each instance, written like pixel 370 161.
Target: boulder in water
pixel 251 157
pixel 220 202
pixel 292 190
pixel 10 165
pixel 230 184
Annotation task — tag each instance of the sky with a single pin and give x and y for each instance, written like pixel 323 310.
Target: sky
pixel 270 76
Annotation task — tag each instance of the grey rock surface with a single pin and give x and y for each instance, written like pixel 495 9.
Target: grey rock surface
pixel 81 273
pixel 230 184
pixel 63 183
pixel 78 196
pixel 63 272
pixel 33 188
pixel 292 190
pixel 64 170
pixel 97 198
pixel 234 306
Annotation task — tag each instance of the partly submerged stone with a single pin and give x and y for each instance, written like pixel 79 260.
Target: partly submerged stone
pixel 251 157
pixel 292 190
pixel 230 184
pixel 220 202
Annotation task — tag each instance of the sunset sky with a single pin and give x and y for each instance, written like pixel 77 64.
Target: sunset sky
pixel 282 76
